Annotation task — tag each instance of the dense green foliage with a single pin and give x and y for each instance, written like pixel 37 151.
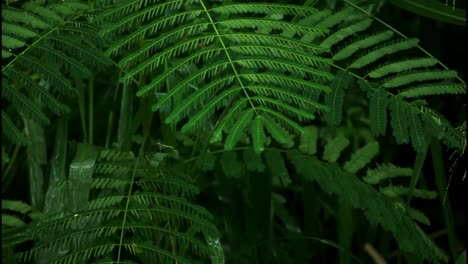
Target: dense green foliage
pixel 264 133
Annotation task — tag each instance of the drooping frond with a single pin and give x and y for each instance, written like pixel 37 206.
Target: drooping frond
pixel 137 209
pixel 388 82
pixel 247 61
pixel 399 192
pixel 379 209
pixel 42 47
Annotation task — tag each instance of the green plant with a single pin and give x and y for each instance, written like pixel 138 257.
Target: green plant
pixel 257 102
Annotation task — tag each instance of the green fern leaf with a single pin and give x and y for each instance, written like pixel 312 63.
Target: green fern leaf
pixel 433 89
pixel 25 18
pixel 16 206
pixel 381 52
pixel 419 77
pixel 386 171
pixel 334 148
pixel 378 111
pixel 282 119
pixel 335 18
pixel 16 30
pixel 335 99
pixel 245 67
pixel 277 132
pixel 397 191
pixel 352 48
pixel 6 54
pixel 399 120
pixel 309 138
pixel 258 135
pixel 130 215
pixel 416 131
pixel 11 43
pixel 284 107
pixel 419 216
pixel 225 121
pixel 264 8
pixel 343 33
pixel 361 157
pixel 42 12
pixel 401 66
pixel 238 128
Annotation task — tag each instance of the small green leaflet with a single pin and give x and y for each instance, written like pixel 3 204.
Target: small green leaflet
pixel 238 128
pixel 334 147
pixel 258 135
pixel 309 140
pixel 361 157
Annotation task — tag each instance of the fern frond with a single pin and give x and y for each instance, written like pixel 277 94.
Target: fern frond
pixel 386 171
pixel 378 111
pixel 258 135
pixel 277 132
pixel 343 33
pixel 399 120
pixel 418 216
pixel 239 55
pixel 377 208
pixel 361 157
pixel 391 83
pixel 334 148
pixel 405 79
pixel 433 89
pixel 402 66
pixel 264 8
pixel 237 129
pixel 31 46
pixel 41 11
pixel 383 51
pixel 19 31
pixel 397 191
pixel 335 99
pixel 153 211
pixel 11 43
pixel 349 50
pixel 418 137
pixel 13 15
